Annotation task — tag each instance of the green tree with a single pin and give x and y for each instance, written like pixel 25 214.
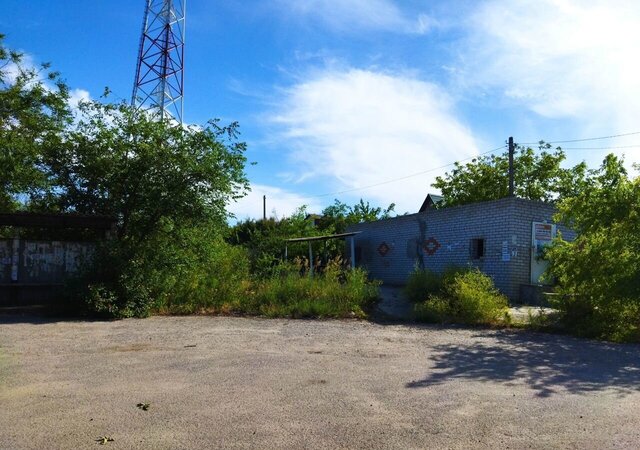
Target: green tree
pixel 265 239
pixel 337 217
pixel 34 111
pixel 537 176
pixel 599 272
pixel 167 186
pixel 120 163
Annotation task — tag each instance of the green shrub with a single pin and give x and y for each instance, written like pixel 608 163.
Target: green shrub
pixel 424 283
pixel 475 299
pixel 435 309
pixel 421 284
pixel 192 270
pixel 617 320
pixel 451 272
pixel 468 297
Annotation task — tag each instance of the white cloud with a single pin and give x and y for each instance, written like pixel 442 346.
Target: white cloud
pixel 280 203
pixel 355 128
pixel 561 59
pixel 78 95
pixel 350 15
pixel 11 71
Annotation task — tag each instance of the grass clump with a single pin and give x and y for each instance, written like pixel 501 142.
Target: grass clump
pixel 466 296
pixel 335 293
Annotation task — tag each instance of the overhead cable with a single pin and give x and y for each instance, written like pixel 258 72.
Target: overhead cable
pixel 393 180
pixel 582 140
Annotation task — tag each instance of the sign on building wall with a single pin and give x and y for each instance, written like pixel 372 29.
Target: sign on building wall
pixel 506 253
pixel 541 236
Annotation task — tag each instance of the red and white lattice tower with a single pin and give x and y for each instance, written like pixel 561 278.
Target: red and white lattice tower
pixel 159 84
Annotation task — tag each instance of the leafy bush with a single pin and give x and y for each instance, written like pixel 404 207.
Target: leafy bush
pixel 468 297
pixel 613 319
pixel 436 309
pixel 179 269
pixel 209 274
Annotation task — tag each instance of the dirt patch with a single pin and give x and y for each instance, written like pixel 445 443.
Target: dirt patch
pixel 136 347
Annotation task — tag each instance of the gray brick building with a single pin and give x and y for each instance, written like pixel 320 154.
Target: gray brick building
pixel 500 237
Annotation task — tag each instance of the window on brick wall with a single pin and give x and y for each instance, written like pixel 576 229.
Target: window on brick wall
pixel 477 248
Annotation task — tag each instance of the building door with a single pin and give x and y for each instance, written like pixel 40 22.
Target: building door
pixel 541 235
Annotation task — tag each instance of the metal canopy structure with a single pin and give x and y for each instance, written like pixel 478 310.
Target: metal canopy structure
pixel 58 220
pixel 310 239
pixel 159 84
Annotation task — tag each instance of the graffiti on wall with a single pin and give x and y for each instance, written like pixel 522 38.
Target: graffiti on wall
pixel 35 262
pixel 383 249
pixel 6 251
pixel 431 246
pixel 43 261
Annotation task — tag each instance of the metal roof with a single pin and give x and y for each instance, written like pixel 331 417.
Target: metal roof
pixel 56 220
pixel 323 238
pixel 431 199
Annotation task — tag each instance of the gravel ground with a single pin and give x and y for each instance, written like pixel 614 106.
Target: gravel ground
pixel 214 382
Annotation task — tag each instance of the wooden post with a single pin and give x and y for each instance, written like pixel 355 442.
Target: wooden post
pixel 310 260
pixel 353 253
pixel 15 258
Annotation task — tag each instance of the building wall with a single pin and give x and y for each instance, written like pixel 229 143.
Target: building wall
pixel 437 239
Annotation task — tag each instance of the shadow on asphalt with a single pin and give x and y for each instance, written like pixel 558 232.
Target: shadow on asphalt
pixel 548 364
pixel 40 315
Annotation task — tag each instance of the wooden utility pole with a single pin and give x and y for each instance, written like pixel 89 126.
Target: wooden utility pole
pixel 264 207
pixel 511 184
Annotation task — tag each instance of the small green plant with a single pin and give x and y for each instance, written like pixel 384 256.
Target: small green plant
pixel 542 321
pixel 468 297
pixel 103 440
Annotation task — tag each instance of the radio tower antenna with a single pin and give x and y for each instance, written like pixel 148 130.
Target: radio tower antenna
pixel 159 84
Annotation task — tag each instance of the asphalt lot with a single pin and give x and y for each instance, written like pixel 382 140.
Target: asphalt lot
pixel 216 382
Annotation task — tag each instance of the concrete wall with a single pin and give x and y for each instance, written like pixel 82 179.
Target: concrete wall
pixel 436 239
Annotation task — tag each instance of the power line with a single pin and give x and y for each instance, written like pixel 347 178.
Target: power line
pixel 393 180
pixel 602 148
pixel 583 140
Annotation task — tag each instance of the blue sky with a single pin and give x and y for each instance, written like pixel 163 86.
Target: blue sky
pixel 336 95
